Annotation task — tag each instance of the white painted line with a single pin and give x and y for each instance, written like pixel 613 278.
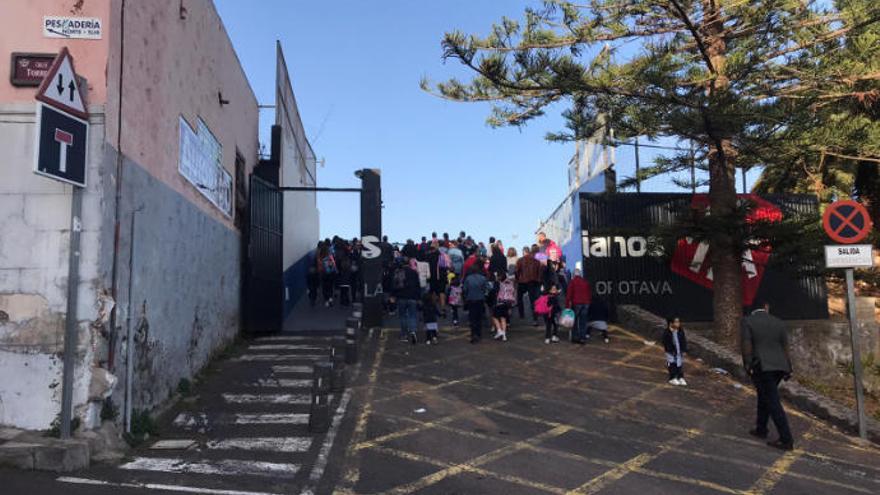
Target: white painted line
pixel 267 398
pixel 293 338
pixel 291 369
pixel 286 347
pixel 268 444
pixel 185 420
pixel 221 467
pixel 159 487
pixel 283 383
pixel 279 357
pixel 272 419
pixel 181 444
pixel 189 421
pixel 324 454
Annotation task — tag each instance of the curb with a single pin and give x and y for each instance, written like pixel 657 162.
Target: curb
pixel 30 450
pixel 716 355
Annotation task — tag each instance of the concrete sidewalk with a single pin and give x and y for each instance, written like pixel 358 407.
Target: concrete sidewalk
pixel 525 417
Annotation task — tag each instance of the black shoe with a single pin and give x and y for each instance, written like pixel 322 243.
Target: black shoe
pixel 412 339
pixel 779 444
pixel 758 433
pixel 474 340
pixel 582 342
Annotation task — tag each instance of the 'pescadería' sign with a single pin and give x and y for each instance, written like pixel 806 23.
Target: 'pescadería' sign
pixel 86 28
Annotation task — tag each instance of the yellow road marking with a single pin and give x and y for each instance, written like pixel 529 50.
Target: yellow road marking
pixel 778 470
pixel 607 478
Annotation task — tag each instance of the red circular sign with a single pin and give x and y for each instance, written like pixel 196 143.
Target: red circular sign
pixel 846 222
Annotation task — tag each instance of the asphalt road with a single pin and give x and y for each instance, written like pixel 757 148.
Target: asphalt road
pixel 523 417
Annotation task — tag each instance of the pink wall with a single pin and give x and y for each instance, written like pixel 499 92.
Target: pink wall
pixel 21 22
pixel 176 66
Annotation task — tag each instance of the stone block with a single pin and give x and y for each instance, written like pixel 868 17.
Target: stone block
pixel 9 279
pixel 62 456
pixel 47 211
pixel 17 455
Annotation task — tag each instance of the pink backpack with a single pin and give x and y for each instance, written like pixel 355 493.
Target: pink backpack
pixel 542 305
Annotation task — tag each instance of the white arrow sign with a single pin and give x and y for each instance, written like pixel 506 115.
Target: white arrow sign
pixel 61 89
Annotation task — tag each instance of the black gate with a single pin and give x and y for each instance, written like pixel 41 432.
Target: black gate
pixel 264 289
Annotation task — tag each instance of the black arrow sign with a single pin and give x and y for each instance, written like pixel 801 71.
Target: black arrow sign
pixel 72 88
pixel 60 86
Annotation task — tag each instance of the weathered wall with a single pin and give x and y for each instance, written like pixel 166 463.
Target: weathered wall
pixel 182 276
pixel 34 242
pixel 177 63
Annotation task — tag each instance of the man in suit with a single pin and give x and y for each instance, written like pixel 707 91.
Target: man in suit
pixel 764 344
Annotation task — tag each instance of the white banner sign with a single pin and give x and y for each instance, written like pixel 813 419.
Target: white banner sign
pixel 201 162
pixel 849 256
pixel 84 28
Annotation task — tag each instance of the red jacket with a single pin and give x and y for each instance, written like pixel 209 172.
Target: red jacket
pixel 578 292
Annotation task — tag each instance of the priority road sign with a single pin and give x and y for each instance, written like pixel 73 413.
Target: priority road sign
pixel 846 222
pixel 61 146
pixel 61 89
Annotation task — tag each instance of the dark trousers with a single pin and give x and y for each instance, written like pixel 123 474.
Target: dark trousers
pixel 551 329
pixel 327 283
pixel 675 371
pixel 769 405
pixel 534 290
pixel 521 290
pixel 454 313
pixel 476 309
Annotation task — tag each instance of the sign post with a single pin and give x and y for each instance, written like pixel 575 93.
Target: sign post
pixel 848 222
pixel 371 257
pixel 62 142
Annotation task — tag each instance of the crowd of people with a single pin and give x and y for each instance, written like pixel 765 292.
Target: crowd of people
pixel 443 278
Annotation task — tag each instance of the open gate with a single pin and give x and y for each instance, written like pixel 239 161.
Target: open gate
pixel 264 288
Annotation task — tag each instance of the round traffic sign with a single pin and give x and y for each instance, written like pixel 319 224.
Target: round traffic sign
pixel 846 222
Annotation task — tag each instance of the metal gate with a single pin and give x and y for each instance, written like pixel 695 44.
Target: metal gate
pixel 264 289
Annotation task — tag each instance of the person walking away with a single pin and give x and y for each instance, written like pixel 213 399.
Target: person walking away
pixel 456 256
pixel 550 276
pixel 597 317
pixel 505 300
pixel 551 327
pixel 675 345
pixel 455 299
pixel 474 290
pixel 344 276
pixel 407 292
pixel 497 262
pixel 521 286
pixel 313 281
pixel 512 258
pixel 766 358
pixel 529 273
pixel 423 269
pixel 578 297
pixel 327 271
pixel 430 315
pixel 491 299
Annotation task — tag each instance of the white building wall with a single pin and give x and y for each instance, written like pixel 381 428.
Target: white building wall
pixel 34 248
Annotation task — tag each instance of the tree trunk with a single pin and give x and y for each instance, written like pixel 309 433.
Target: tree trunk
pixel 725 258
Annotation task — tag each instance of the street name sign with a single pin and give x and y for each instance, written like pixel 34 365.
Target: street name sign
pixel 61 89
pixel 849 256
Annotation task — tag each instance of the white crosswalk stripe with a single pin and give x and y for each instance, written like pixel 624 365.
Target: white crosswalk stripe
pixel 285 347
pixel 224 467
pixel 267 398
pixel 283 383
pixel 291 369
pixel 191 421
pixel 266 444
pixel 158 487
pixel 278 357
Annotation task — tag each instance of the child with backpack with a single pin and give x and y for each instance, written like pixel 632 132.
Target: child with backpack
pixel 430 315
pixel 504 301
pixel 327 270
pixel 454 299
pixel 548 307
pixel 675 345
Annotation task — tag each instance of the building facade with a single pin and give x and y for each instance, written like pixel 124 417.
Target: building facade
pixel 173 137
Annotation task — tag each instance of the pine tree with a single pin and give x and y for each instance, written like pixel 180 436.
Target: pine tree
pixel 730 75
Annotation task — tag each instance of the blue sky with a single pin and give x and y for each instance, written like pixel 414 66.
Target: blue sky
pixel 355 67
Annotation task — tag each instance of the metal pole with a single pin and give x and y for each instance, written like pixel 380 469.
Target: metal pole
pixel 745 190
pixel 638 168
pixel 70 325
pixel 856 353
pixel 693 171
